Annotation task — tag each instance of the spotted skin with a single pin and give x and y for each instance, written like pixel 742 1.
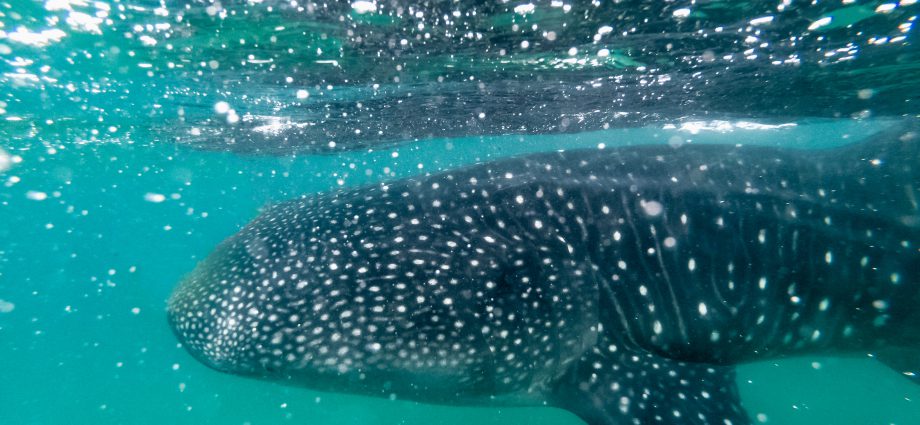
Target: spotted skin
pixel 619 284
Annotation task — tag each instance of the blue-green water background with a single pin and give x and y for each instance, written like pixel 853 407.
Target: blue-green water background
pixel 98 124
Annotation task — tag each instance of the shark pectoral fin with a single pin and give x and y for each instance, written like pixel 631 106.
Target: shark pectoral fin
pixel 614 387
pixel 905 361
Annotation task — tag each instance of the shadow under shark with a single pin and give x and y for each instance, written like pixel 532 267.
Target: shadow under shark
pixel 621 285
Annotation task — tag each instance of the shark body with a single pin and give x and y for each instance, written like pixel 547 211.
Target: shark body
pixel 620 284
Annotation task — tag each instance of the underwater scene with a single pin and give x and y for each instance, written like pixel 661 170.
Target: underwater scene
pixel 450 212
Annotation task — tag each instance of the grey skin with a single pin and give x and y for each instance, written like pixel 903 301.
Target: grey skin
pixel 622 285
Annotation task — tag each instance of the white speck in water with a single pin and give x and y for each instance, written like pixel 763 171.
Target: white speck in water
pixel 819 23
pixel 6 161
pixel 865 94
pixel 302 94
pixel 362 7
pixel 6 306
pixel 36 195
pixel 221 107
pixel 682 13
pixel 885 8
pixel 154 197
pixel 524 9
pixel 147 40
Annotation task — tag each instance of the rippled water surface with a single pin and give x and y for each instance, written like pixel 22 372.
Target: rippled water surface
pixel 135 135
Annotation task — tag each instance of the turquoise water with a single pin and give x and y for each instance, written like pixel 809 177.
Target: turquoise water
pixel 119 170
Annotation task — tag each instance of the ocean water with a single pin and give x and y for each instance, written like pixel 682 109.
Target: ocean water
pixel 137 135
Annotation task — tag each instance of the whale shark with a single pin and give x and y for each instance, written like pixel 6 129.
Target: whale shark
pixel 623 285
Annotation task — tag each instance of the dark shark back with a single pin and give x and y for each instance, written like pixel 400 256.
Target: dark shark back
pixel 886 170
pixel 766 253
pixel 889 166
